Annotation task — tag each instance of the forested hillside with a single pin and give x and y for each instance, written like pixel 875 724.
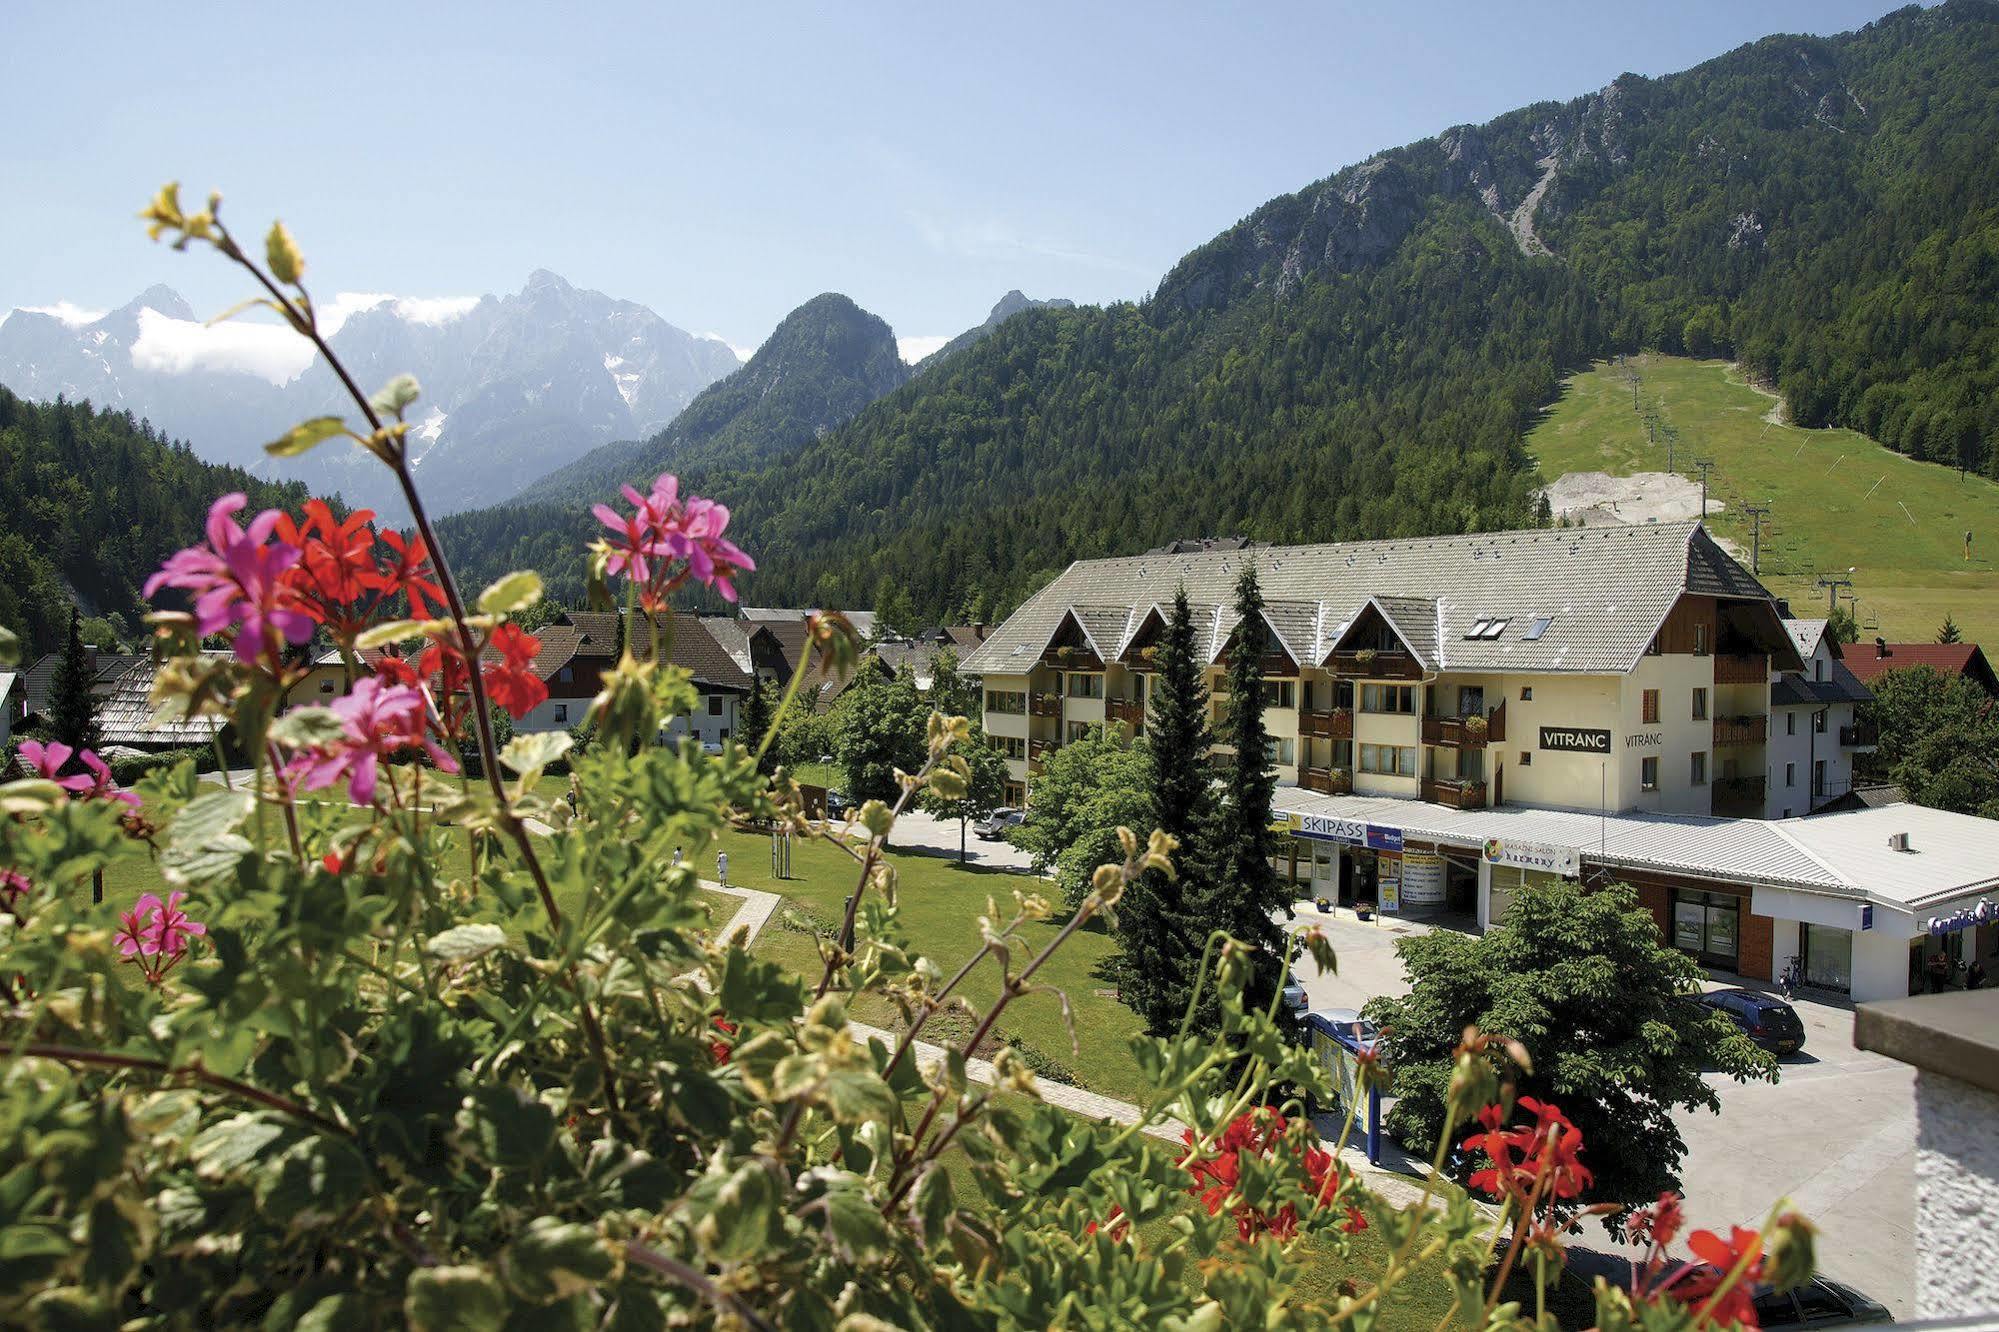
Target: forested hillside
pixel 827 359
pixel 90 503
pixel 1361 359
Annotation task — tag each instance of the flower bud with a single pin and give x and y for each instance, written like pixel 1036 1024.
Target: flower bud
pixel 1788 1252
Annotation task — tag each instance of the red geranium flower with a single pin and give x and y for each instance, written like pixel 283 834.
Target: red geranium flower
pixel 719 1050
pixel 1547 1153
pixel 511 681
pixel 407 574
pixel 1259 1133
pixel 1696 1285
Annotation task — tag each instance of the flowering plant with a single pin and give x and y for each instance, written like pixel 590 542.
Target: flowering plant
pixel 455 1053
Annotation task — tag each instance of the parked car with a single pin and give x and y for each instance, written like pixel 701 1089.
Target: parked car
pixel 1820 1302
pixel 1349 1022
pixel 1764 1018
pixel 837 805
pixel 994 827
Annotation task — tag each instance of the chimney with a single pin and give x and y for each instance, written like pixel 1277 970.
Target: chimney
pixel 1898 841
pixel 1880 647
pixel 979 631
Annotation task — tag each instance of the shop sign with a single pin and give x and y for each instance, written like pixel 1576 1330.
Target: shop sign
pixel 1388 885
pixel 1327 829
pixel 1575 739
pixel 1645 740
pixel 1384 839
pixel 1422 879
pixel 1563 860
pixel 1982 914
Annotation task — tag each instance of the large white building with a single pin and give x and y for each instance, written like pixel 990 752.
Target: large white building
pixel 1452 717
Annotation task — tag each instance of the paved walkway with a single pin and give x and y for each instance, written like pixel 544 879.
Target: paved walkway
pixel 756 911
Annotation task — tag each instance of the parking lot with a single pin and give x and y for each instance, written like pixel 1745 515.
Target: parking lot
pixel 1835 1134
pixel 926 833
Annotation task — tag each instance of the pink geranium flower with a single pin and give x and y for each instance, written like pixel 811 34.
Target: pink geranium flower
pixel 238 578
pixel 377 720
pixel 14 888
pixel 665 541
pixel 154 935
pixel 48 760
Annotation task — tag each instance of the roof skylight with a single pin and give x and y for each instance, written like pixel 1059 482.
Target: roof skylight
pixel 1538 627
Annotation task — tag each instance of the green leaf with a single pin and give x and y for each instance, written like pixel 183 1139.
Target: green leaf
pixel 306 436
pixel 308 728
pixel 931 1203
pixel 512 592
pixel 742 1217
pixel 462 943
pixel 390 631
pixel 394 397
pixel 528 754
pixel 507 1127
pixel 335 1313
pixel 315 1180
pixel 553 1259
pixel 10 647
pixel 221 1149
pixel 454 1299
pixel 203 841
pixel 856 1095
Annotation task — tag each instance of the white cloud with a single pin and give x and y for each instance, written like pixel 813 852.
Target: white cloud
pixel 415 309
pixel 915 349
pixel 73 315
pixel 742 353
pixel 177 346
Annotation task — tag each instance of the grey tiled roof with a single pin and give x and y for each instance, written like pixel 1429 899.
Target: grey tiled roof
pixel 1296 624
pixel 38 681
pixel 1806 634
pixel 1795 689
pixel 694 648
pixel 126 715
pixel 1606 590
pixel 1415 621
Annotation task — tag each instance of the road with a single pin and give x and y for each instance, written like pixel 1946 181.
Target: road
pixel 1835 1134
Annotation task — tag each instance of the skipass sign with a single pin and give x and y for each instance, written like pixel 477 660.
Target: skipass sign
pixel 1563 860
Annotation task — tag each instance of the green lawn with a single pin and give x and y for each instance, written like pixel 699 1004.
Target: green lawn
pixel 1838 499
pixel 941 903
pixel 827 775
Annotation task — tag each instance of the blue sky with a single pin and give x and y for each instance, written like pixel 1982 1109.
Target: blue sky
pixel 723 163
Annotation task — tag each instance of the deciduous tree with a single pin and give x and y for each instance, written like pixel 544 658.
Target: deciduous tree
pixel 1584 980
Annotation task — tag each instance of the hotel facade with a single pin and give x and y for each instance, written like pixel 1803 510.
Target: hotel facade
pixel 1451 717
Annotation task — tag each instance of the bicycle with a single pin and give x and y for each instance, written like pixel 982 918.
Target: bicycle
pixel 1788 982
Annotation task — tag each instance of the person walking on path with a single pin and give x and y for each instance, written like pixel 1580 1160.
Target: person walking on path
pixel 722 868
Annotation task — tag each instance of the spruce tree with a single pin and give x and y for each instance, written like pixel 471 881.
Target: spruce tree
pixel 1948 631
pixel 755 720
pixel 1248 893
pixel 1162 936
pixel 72 707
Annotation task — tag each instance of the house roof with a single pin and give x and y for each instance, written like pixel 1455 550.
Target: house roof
pixel 1604 591
pixel 692 646
pixel 1795 689
pixel 733 635
pixel 1870 661
pixel 1806 634
pixel 8 679
pixel 599 630
pixel 863 621
pixel 38 681
pixel 126 716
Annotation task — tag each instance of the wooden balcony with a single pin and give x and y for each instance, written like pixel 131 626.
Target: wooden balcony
pixel 1739 797
pixel 1040 749
pixel 1454 793
pixel 1327 781
pixel 1044 705
pixel 1275 666
pixel 1367 665
pixel 1732 669
pixel 1467 732
pixel 1330 724
pixel 1860 735
pixel 1741 730
pixel 1127 710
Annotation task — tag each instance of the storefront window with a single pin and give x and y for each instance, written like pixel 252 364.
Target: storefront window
pixel 1827 956
pixel 1705 924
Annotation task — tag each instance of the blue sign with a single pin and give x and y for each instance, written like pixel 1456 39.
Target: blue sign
pixel 1384 839
pixel 1321 828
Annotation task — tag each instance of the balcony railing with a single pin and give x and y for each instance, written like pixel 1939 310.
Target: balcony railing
pixel 1275 665
pixel 1372 664
pixel 1860 735
pixel 1454 792
pixel 1741 730
pixel 1037 749
pixel 1127 710
pixel 1072 659
pixel 1739 797
pixel 1328 724
pixel 1328 781
pixel 1730 668
pixel 1471 731
pixel 1044 705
